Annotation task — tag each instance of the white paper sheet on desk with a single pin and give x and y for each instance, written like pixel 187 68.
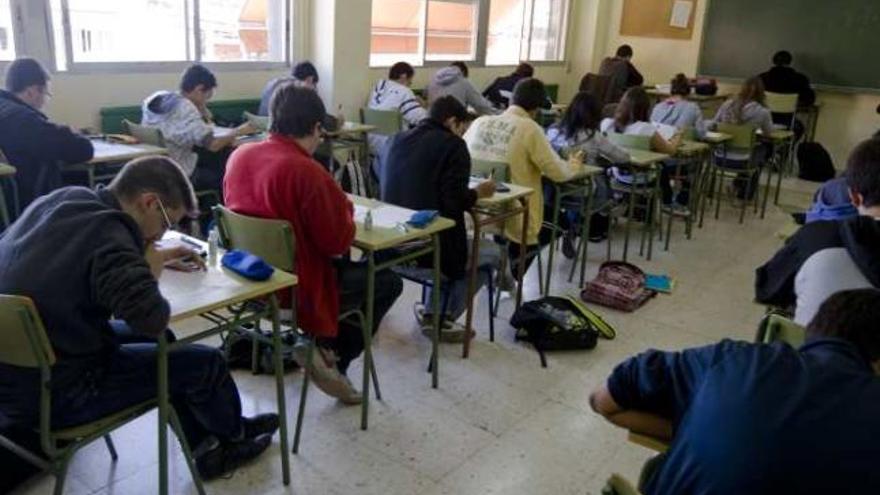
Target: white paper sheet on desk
pixel 222 132
pixel 383 216
pixel 106 148
pixel 666 131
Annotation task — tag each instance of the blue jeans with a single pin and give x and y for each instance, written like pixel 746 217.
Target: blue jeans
pixel 489 256
pixel 199 384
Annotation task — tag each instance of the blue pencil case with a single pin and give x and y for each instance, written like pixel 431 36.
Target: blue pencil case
pixel 422 218
pixel 249 266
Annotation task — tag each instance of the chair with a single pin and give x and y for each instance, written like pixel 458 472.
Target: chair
pixel 260 122
pixel 688 166
pixel 645 185
pixel 775 327
pixel 274 241
pixel 144 133
pixel 387 122
pixel 743 139
pixel 24 344
pixel 7 173
pixel 786 104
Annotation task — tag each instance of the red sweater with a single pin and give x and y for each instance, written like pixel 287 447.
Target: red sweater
pixel 278 179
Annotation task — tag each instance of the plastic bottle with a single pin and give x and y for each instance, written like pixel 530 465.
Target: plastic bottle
pixel 368 220
pixel 213 246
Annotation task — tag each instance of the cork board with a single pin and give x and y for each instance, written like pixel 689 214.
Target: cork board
pixel 651 19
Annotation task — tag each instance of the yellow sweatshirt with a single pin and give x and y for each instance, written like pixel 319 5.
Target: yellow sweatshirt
pixel 516 139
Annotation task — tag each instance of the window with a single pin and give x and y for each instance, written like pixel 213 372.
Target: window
pixel 7 43
pixel 137 31
pixel 531 30
pixel 418 30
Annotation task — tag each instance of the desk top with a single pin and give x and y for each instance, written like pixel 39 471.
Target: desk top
pixel 777 135
pixel 788 230
pixel 195 293
pixel 6 170
pixel 109 152
pixel 352 128
pixel 501 198
pixel 644 158
pixel 648 442
pixel 692 96
pixel 387 220
pixel 716 137
pixel 688 148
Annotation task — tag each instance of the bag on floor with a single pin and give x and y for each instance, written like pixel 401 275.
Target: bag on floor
pixel 619 285
pixel 350 176
pixel 559 323
pixel 238 349
pixel 815 162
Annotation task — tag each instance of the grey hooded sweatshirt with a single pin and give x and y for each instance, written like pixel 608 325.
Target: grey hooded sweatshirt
pixel 450 81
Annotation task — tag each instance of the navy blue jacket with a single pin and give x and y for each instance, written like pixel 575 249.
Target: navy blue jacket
pixel 755 419
pixel 81 259
pixel 37 147
pixel 428 168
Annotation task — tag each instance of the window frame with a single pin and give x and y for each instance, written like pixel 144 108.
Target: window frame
pixel 16 33
pixel 193 48
pixel 482 25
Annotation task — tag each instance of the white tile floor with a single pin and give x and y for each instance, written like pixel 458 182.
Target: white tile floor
pixel 498 424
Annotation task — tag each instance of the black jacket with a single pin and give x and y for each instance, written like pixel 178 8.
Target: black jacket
pixel 81 259
pixel 786 80
pixel 37 147
pixel 428 168
pixel 774 281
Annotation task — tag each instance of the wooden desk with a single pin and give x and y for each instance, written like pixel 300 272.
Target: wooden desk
pixel 108 153
pixel 204 293
pixel 351 129
pixel 580 184
pixel 7 172
pixel 789 229
pixel 648 442
pixel 715 138
pixel 385 234
pixel 489 211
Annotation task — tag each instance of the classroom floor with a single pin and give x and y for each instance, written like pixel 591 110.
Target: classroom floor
pixel 499 423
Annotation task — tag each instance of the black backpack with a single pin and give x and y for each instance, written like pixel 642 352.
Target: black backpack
pixel 815 162
pixel 559 323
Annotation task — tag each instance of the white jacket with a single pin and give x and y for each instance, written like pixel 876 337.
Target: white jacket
pixel 391 95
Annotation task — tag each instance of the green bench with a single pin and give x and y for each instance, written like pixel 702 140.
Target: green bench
pixel 227 112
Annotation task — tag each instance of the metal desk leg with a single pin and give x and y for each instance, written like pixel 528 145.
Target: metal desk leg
pixel 585 234
pixel 162 394
pixel 554 237
pixel 279 386
pixel 368 336
pixel 629 216
pixel 435 296
pixel 472 288
pixel 523 252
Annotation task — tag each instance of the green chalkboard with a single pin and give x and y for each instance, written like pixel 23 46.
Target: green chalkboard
pixel 834 42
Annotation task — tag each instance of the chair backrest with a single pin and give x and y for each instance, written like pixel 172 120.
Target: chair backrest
pixel 259 121
pixel 743 137
pixel 777 328
pixel 387 122
pixel 23 339
pixel 486 168
pixel 269 239
pixel 630 141
pixel 781 103
pixel 144 133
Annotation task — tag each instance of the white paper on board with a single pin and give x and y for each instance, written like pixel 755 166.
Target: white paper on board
pixel 681 13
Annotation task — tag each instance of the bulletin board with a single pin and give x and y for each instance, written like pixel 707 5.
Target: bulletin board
pixel 654 19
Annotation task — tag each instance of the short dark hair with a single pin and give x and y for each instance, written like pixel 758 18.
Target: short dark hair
pixel 156 174
pixel 295 111
pixel 305 70
pixel 197 75
pixel 400 69
pixel 24 73
pixel 782 57
pixel 850 315
pixel 529 94
pixel 447 107
pixel 624 51
pixel 524 70
pixel 863 171
pixel 680 85
pixel 462 66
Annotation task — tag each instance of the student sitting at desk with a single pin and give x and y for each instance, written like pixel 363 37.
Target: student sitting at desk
pixel 631 117
pixel 303 74
pixel 516 139
pixel 783 79
pixel 747 108
pixel 578 131
pixel 428 168
pixel 622 73
pixel 679 112
pixel 761 418
pixel 395 94
pixel 825 257
pixel 501 89
pixel 453 80
pixel 278 178
pixel 90 261
pixel 32 144
pixel 185 122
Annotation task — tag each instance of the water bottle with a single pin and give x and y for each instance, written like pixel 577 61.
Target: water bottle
pixel 213 246
pixel 368 220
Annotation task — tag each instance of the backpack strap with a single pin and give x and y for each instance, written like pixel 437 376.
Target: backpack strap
pixel 598 323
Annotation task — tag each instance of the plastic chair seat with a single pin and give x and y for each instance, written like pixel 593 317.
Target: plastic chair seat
pixel 7 170
pixel 105 423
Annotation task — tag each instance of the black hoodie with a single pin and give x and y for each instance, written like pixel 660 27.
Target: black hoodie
pixel 860 236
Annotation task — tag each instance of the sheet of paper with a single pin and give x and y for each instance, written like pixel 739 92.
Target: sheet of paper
pixel 383 216
pixel 106 148
pixel 666 131
pixel 221 132
pixel 681 13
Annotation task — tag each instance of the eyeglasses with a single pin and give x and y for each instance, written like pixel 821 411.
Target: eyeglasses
pixel 165 218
